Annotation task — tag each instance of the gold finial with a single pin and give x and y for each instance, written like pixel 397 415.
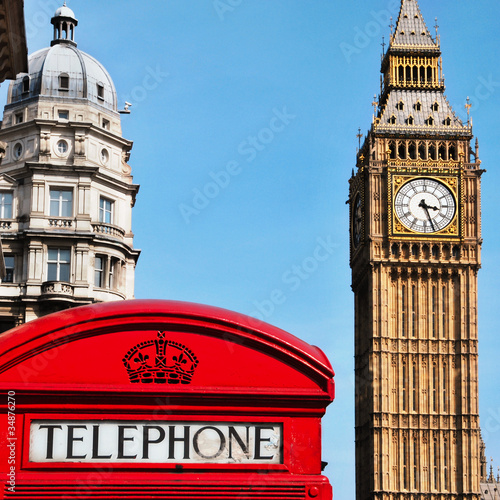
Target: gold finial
pixel 362 158
pixel 391 25
pixel 436 26
pixel 375 104
pixel 359 135
pixel 468 105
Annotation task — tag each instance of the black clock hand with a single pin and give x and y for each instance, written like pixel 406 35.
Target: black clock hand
pixel 423 205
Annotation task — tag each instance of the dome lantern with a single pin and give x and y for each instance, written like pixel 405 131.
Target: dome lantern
pixel 64 22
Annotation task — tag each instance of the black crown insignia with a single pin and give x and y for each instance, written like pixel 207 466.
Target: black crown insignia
pixel 160 361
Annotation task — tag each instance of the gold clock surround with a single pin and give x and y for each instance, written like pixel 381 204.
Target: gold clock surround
pixel 400 176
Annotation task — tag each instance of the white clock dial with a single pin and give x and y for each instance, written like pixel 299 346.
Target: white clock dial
pixel 425 205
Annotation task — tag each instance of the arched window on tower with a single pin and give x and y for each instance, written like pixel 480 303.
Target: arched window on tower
pixel 404 385
pixel 408 74
pixel 400 106
pixel 432 152
pixel 452 152
pixel 430 121
pixel 413 311
pixel 422 152
pixel 402 151
pixel 422 75
pixel 403 311
pixel 401 74
pixel 415 71
pixel 434 312
pixel 442 152
pixel 392 120
pixel 410 120
pixel 435 465
pixel 392 149
pixel 412 149
pixel 414 388
pixel 429 75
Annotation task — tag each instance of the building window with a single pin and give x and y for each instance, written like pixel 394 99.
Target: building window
pixel 400 106
pixel 9 269
pixel 403 311
pixel 413 311
pixel 105 211
pixel 19 118
pixel 418 106
pixel 105 124
pixel 99 272
pixel 104 156
pixel 100 91
pixel 404 385
pixel 63 81
pixel 61 202
pixel 18 151
pixel 107 272
pixel 26 84
pixel 63 115
pixel 58 264
pixel 62 147
pixel 5 205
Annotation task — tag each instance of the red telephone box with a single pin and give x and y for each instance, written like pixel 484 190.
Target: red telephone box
pixel 159 399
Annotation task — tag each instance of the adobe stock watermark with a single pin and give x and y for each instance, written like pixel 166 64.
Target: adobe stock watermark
pixel 293 278
pixel 222 7
pixel 483 91
pixel 152 79
pixel 372 29
pixel 41 18
pixel 248 149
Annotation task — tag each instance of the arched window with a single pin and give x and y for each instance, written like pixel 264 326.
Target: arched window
pixel 402 150
pixel 432 152
pixel 63 81
pixel 422 152
pixel 26 84
pixel 422 74
pixel 442 152
pixel 430 121
pixel 392 149
pixel 452 152
pixel 410 120
pixel 412 150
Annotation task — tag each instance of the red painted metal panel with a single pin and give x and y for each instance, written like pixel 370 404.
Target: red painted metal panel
pixel 160 364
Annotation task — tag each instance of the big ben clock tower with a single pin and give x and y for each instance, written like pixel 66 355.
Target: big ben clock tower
pixel 415 239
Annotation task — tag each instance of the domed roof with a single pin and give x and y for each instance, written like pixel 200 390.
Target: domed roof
pixel 63 71
pixel 64 12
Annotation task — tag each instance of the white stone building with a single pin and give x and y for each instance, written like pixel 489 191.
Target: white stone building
pixel 66 190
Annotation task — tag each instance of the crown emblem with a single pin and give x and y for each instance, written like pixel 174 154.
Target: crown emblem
pixel 160 361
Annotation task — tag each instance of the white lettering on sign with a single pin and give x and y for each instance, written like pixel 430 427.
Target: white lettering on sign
pixel 155 442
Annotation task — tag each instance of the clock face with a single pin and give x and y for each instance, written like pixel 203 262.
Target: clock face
pixel 425 205
pixel 357 218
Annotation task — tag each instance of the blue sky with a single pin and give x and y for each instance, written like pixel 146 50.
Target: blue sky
pixel 244 119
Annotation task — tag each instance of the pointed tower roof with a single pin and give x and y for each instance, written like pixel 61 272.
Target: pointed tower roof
pixel 411 30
